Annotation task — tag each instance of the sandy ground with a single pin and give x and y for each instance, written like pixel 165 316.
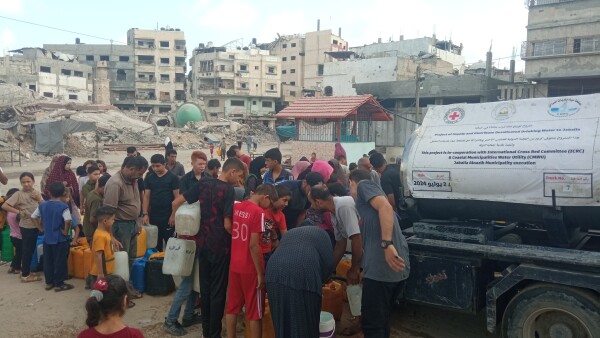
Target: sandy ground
pixel 29 310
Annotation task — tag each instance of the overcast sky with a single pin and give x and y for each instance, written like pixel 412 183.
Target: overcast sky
pixel 475 23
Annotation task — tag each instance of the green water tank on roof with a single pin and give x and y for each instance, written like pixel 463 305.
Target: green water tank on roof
pixel 188 112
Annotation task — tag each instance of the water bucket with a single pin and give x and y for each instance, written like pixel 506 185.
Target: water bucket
pixel 122 265
pixel 151 236
pixel 326 325
pixel 8 252
pixel 187 219
pixel 354 299
pixel 141 242
pixel 179 257
pixel 333 295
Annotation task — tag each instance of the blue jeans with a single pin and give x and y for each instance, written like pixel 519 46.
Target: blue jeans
pixel 249 146
pixel 183 294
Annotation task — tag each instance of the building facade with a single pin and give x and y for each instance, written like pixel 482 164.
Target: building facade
pixel 238 84
pixel 303 58
pixel 119 61
pixel 160 68
pixel 562 51
pixel 443 50
pixel 149 73
pixel 339 77
pixel 50 74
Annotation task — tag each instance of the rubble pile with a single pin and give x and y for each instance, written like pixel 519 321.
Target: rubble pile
pixel 26 113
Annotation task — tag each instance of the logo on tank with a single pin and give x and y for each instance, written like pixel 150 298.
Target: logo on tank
pixel 503 111
pixel 564 107
pixel 454 115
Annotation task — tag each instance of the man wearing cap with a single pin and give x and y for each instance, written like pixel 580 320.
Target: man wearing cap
pixel 296 209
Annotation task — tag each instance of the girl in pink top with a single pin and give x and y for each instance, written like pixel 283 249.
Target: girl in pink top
pixel 15 237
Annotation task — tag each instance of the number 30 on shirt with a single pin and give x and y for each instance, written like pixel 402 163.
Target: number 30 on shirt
pixel 240 231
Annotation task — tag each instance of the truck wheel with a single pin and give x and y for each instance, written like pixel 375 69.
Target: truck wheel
pixel 510 238
pixel 548 311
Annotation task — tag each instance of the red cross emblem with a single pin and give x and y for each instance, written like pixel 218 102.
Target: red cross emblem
pixel 454 115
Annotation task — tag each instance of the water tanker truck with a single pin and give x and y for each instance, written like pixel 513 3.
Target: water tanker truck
pixel 503 204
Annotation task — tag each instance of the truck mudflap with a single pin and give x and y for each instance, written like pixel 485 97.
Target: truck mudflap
pixel 515 274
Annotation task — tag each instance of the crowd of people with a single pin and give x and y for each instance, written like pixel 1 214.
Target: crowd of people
pixel 265 231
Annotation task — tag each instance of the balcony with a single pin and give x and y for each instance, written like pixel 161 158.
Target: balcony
pixel 536 3
pixel 560 47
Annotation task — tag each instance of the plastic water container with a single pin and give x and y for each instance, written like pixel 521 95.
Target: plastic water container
pixel 138 274
pixel 187 219
pixel 151 236
pixel 141 243
pixel 354 299
pixel 157 283
pixel 326 325
pixel 122 265
pixel 35 258
pixel 195 273
pixel 343 267
pixel 78 269
pixel 82 241
pixel 8 252
pixel 333 299
pixel 87 261
pixel 179 257
pixel 268 331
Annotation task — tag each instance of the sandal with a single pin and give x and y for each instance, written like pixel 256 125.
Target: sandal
pixel 30 278
pixel 63 287
pixel 14 271
pixel 130 304
pixel 49 287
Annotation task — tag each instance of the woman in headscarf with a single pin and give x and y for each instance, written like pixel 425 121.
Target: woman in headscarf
pixel 61 172
pixel 295 275
pixel 299 167
pixel 46 173
pixel 254 178
pixel 323 168
pixel 339 151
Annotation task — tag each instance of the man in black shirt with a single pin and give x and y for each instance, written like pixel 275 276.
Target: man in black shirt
pixel 198 172
pixel 161 188
pixel 390 179
pixel 295 211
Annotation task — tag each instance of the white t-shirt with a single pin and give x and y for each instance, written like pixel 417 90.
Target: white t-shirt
pixel 345 220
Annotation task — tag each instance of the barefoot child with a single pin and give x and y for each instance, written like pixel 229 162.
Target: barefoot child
pixel 247 269
pixel 54 219
pixel 105 309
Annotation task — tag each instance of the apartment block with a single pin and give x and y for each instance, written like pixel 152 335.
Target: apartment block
pixel 160 67
pixel 50 74
pixel 562 51
pixel 120 63
pixel 149 73
pixel 303 58
pixel 236 83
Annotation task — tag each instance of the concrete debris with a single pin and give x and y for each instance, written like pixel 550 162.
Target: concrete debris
pixel 112 127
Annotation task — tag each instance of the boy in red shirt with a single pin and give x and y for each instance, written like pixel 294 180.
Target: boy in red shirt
pixel 275 226
pixel 247 269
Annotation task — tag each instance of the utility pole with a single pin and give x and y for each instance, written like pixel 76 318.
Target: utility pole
pixel 417 95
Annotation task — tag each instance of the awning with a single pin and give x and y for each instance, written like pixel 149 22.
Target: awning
pixel 335 108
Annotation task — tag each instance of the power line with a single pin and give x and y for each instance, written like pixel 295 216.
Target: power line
pixel 62 30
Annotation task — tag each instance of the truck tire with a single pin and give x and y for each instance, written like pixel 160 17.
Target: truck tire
pixel 551 311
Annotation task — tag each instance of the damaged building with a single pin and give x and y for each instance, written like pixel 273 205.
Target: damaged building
pixel 236 84
pixel 147 74
pixel 51 74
